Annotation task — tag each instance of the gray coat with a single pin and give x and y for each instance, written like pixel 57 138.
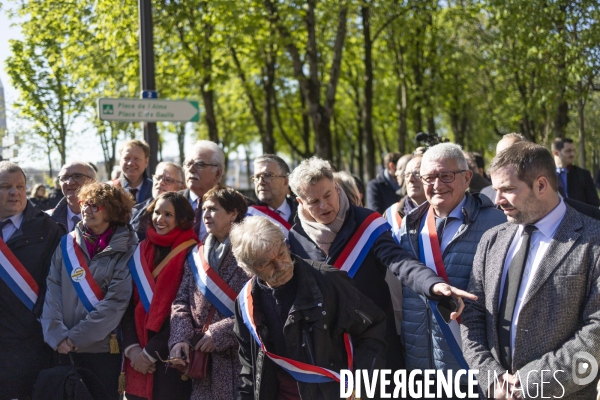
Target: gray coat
pixel 560 314
pixel 423 339
pixel 64 316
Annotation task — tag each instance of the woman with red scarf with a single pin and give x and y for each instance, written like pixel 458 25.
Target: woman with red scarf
pixel 157 269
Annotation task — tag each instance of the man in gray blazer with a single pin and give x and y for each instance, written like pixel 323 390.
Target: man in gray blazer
pixel 536 323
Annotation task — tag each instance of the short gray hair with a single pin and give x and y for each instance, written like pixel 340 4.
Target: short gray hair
pixel 10 167
pixel 91 170
pixel 252 239
pixel 310 172
pixel 173 165
pixel 444 151
pixel 218 154
pixel 283 167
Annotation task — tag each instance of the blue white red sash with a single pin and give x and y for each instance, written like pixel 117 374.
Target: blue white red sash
pixel 431 255
pixel 210 284
pixel 85 286
pixel 264 211
pixel 300 371
pixel 142 276
pixel 394 219
pixel 360 243
pixel 17 278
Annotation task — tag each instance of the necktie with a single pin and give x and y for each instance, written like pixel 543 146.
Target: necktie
pixel 509 297
pixel 198 218
pixel 134 193
pixel 2 225
pixel 561 174
pixel 440 224
pixel 75 219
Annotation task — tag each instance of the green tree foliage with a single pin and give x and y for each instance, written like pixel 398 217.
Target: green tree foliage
pixel 348 80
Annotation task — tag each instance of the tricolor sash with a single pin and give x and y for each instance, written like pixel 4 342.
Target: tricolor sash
pixel 300 371
pixel 17 278
pixel 431 256
pixel 360 243
pixel 210 284
pixel 394 219
pixel 142 276
pixel 264 211
pixel 85 286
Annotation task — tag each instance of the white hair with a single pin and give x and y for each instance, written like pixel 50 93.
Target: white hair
pixel 444 151
pixel 252 241
pixel 309 172
pixel 217 152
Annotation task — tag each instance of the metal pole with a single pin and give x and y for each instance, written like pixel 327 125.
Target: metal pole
pixel 147 76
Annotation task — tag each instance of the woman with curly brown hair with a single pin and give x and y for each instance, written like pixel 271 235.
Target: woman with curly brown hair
pixel 89 284
pixel 157 269
pixel 206 297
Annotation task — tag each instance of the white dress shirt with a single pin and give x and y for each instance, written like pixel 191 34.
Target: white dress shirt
pixel 284 210
pixel 9 229
pixel 70 215
pixel 538 246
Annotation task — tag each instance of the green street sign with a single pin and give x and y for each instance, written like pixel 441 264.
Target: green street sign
pixel 148 110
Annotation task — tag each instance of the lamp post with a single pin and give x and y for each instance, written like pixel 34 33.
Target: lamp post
pixel 148 83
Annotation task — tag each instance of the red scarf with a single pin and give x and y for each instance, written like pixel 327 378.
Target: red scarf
pixel 165 290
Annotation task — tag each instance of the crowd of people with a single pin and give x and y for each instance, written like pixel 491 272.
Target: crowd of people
pixel 124 286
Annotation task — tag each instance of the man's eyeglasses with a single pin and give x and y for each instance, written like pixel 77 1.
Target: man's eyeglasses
pixel 267 177
pixel 168 180
pixel 93 207
pixel 445 177
pixel 407 175
pixel 199 165
pixel 76 177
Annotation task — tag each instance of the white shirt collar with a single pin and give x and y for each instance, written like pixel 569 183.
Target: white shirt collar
pixel 193 197
pixel 284 210
pixel 17 219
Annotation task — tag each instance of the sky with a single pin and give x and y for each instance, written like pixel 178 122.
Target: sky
pixel 83 146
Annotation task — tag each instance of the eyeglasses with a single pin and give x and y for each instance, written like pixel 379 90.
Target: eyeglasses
pixel 199 165
pixel 93 207
pixel 446 177
pixel 267 177
pixel 76 177
pixel 407 175
pixel 168 180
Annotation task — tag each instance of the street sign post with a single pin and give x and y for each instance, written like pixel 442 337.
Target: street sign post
pixel 148 110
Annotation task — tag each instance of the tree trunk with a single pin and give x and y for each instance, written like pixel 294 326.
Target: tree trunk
pixel 580 118
pixel 562 111
pixel 367 110
pixel 268 141
pixel 401 106
pixel 206 87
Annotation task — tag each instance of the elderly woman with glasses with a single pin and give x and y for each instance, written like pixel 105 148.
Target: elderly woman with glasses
pixel 89 284
pixel 160 261
pixel 192 309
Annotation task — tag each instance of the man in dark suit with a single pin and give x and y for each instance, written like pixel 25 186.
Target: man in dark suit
pixel 271 185
pixel 29 238
pixel 72 176
pixel 574 182
pixel 204 166
pixel 537 279
pixel 381 191
pixel 134 158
